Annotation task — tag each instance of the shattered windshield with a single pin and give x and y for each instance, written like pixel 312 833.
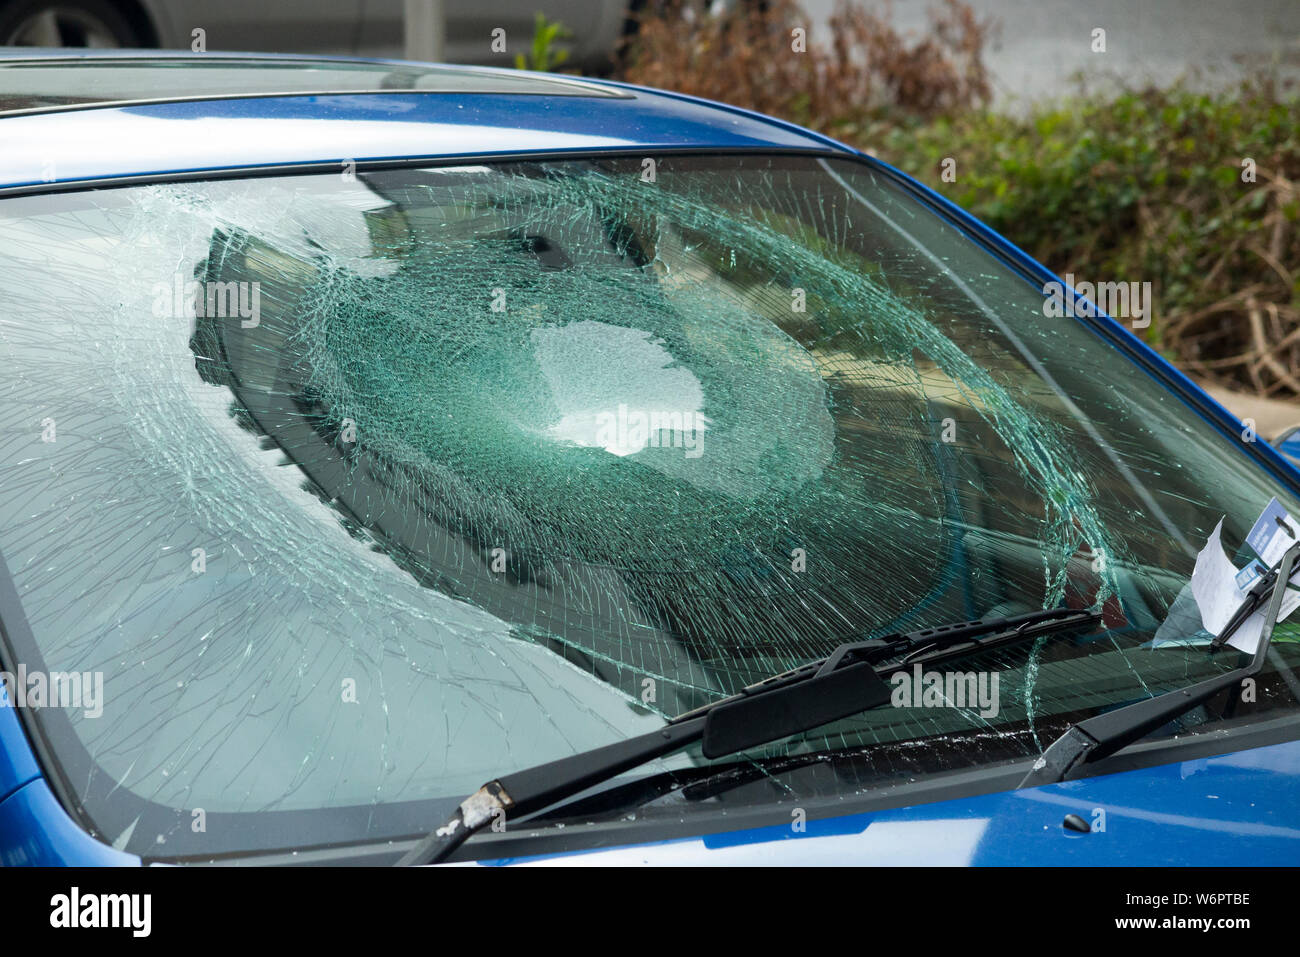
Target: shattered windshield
pixel 356 490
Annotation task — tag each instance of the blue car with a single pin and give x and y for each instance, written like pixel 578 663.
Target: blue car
pixel 711 490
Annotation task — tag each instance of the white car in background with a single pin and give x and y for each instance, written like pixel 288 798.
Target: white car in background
pixel 369 27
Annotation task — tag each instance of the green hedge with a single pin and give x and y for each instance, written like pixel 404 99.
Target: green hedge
pixel 1146 186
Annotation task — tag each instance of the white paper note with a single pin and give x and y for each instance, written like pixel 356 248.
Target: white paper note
pixel 1218 597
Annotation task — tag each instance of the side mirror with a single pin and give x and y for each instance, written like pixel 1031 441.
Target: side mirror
pixel 1288 443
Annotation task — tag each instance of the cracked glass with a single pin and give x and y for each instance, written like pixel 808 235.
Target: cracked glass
pixel 360 490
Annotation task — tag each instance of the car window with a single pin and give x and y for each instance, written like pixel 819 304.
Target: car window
pixel 358 490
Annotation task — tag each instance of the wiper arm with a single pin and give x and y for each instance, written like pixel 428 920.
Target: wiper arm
pixel 848 681
pixel 1101 736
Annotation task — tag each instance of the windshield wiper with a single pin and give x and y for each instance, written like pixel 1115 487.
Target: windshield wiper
pixel 848 681
pixel 1101 736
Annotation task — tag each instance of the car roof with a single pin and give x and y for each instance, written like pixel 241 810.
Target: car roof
pixel 73 118
pixel 51 81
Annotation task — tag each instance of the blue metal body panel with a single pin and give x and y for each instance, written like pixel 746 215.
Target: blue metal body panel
pixel 17 763
pixel 36 831
pixel 1227 810
pixel 213 135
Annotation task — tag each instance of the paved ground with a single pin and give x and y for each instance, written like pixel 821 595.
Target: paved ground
pixel 1043 44
pixel 1270 415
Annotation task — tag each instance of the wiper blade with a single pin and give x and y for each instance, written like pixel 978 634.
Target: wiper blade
pixel 1256 596
pixel 851 679
pixel 1101 736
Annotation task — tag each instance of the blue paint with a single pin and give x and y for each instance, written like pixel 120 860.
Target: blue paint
pixel 1228 810
pixel 214 135
pixel 36 831
pixel 17 763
